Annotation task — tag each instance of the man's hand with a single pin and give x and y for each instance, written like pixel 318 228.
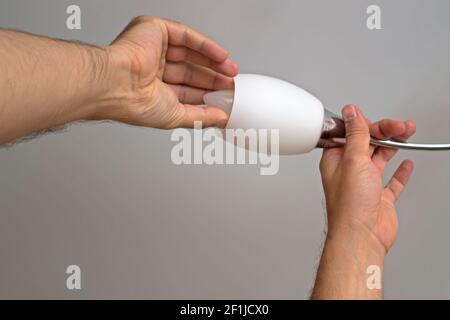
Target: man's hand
pixel 154 74
pixel 362 219
pixel 169 67
pixel 352 177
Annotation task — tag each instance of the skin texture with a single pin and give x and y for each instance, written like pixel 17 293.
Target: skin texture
pixel 362 219
pixel 172 67
pixel 154 74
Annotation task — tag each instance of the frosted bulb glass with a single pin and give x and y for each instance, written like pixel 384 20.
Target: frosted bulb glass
pixel 222 99
pixel 261 102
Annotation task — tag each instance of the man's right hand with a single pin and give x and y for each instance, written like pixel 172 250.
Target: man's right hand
pixel 166 68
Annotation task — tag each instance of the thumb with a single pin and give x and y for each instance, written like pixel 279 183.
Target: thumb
pixel 357 131
pixel 209 116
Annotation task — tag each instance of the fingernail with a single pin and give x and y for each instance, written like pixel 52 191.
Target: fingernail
pixel 349 112
pixel 222 124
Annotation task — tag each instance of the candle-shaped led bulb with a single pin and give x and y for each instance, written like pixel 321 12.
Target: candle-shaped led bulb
pixel 222 99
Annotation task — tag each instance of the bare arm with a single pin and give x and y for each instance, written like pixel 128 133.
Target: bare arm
pixel 46 83
pixel 154 74
pixel 346 257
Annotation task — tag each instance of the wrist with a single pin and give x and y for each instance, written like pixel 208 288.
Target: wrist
pixel 357 236
pixel 110 80
pixel 349 258
pixel 358 242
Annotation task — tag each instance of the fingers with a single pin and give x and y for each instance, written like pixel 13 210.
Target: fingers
pixel 382 156
pixel 386 129
pixel 179 54
pixel 182 35
pixel 330 160
pixel 196 76
pixel 357 132
pixel 399 180
pixel 187 94
pixel 209 116
pixel 194 60
pixel 410 130
pixel 389 129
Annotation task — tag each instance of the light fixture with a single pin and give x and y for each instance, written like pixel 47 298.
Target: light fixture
pixel 262 102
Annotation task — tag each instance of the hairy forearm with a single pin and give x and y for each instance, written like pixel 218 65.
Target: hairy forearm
pixel 46 83
pixel 343 270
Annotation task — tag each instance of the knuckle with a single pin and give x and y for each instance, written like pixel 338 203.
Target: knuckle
pixel 138 19
pixel 188 73
pixel 142 18
pixel 357 132
pixel 186 53
pixel 353 160
pixel 322 165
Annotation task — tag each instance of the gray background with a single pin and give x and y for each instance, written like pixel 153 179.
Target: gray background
pixel 108 198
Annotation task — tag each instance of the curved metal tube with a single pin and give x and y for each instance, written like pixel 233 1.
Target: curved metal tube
pixel 410 145
pixel 333 135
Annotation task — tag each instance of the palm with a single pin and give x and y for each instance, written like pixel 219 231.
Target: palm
pixel 173 67
pixel 362 180
pixel 381 216
pixel 387 226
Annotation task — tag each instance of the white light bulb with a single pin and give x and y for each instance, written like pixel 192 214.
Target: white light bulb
pixel 222 99
pixel 261 102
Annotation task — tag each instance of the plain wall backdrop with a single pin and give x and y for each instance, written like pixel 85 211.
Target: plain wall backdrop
pixel 107 197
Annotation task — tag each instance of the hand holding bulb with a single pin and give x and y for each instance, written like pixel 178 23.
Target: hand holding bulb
pixel 362 219
pixel 262 102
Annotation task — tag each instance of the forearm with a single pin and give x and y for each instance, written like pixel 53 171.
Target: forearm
pixel 46 83
pixel 342 272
